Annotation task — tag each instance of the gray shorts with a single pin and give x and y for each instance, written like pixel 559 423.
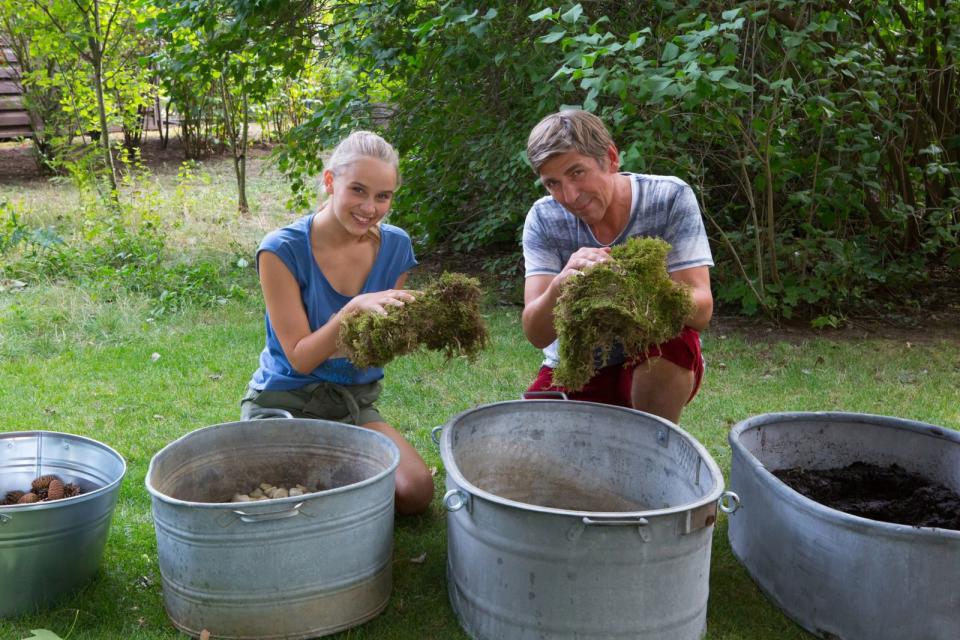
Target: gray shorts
pixel 352 404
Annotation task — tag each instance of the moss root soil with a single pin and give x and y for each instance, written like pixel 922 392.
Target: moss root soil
pixel 629 300
pixel 445 316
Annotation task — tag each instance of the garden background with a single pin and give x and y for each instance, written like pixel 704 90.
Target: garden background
pixel 821 139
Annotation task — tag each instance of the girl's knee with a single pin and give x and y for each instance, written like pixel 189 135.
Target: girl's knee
pixel 414 490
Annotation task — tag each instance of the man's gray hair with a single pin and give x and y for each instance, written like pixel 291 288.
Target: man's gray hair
pixel 572 130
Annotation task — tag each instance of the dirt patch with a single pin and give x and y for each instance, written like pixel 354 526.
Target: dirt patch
pixel 888 494
pixel 17 162
pixel 931 313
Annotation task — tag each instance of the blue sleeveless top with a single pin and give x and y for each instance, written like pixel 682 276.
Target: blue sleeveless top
pixel 320 300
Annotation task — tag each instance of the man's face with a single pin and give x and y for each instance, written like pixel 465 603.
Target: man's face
pixel 581 184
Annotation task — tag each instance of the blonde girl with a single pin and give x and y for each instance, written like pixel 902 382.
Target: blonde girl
pixel 326 265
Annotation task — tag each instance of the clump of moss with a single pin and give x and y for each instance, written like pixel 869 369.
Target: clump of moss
pixel 629 300
pixel 445 316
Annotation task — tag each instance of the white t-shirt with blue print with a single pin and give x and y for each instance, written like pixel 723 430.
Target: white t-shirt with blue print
pixel 321 301
pixel 662 207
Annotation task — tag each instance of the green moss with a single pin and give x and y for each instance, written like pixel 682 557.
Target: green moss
pixel 444 317
pixel 630 300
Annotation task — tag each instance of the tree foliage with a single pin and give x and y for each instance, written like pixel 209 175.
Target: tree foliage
pixel 213 52
pixel 81 70
pixel 822 139
pixel 455 89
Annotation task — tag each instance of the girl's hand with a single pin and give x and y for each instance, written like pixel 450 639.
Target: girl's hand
pixel 377 302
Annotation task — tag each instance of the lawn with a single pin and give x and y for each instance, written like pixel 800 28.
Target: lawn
pixel 120 395
pixel 71 361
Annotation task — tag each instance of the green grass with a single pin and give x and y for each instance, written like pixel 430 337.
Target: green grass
pixel 196 204
pixel 113 391
pixel 78 360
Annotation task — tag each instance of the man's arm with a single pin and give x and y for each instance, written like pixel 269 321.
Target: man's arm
pixel 698 278
pixel 539 297
pixel 540 293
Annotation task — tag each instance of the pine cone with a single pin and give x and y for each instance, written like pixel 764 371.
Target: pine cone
pixel 71 490
pixel 56 490
pixel 43 482
pixel 12 497
pixel 28 498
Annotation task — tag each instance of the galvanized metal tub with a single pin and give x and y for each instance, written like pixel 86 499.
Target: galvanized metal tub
pixel 49 549
pixel 577 520
pixel 841 576
pixel 296 567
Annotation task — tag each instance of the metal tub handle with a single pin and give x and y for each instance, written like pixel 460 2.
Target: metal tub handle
pixel 435 434
pixel 262 413
pixel 456 499
pixel 625 522
pixel 587 521
pixel 245 516
pixel 544 395
pixel 729 502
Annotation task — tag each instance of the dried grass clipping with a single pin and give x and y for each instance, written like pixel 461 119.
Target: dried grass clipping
pixel 629 300
pixel 444 317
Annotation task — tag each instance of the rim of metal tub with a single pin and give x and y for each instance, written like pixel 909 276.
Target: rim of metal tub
pixel 820 510
pixel 445 451
pixel 395 461
pixel 83 497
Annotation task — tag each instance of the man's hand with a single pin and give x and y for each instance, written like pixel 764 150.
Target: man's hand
pixel 540 294
pixel 581 260
pixel 698 279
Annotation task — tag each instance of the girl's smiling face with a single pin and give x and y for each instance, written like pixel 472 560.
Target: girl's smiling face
pixel 361 193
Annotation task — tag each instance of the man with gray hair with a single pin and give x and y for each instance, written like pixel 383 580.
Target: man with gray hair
pixel 592 206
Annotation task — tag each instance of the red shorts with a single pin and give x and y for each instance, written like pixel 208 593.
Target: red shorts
pixel 612 385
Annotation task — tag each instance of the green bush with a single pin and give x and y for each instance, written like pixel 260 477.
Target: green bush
pixel 822 140
pixel 110 245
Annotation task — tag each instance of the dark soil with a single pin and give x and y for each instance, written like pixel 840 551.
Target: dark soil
pixel 888 494
pixel 16 162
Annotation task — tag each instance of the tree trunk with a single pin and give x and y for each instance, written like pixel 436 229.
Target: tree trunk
pixel 96 47
pixel 237 137
pixel 242 167
pixel 97 60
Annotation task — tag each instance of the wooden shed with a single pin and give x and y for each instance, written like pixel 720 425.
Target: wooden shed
pixel 14 119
